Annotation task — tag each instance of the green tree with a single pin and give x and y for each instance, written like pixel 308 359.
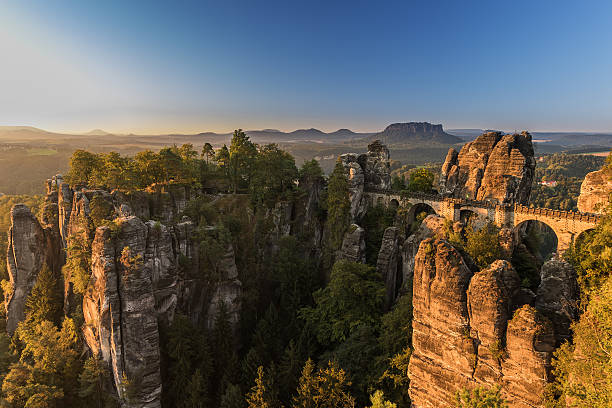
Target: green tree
pixel 149 168
pixel 274 174
pixel 242 154
pixel 483 244
pixel 354 297
pixel 338 206
pixel 583 368
pixel 47 371
pixel 77 269
pixel 208 152
pixel 83 165
pixel 93 380
pixel 45 299
pixel 378 400
pixel 421 180
pixel 480 397
pixel 323 388
pixel 260 395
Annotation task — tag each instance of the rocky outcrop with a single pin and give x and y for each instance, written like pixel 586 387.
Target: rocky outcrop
pixel 595 191
pixel 432 226
pixel 443 354
pixel 376 167
pixel 389 263
pixel 558 296
pixel 25 258
pixel 356 180
pixel 120 310
pixel 526 369
pixel 353 245
pixel 368 171
pixel 466 333
pixel 227 292
pixel 494 167
pixel 490 300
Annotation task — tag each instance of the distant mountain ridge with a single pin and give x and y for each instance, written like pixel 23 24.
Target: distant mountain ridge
pixel 414 132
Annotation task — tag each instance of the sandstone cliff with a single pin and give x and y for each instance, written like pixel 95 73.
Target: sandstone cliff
pixel 595 191
pixel 469 329
pixel 494 167
pixel 366 172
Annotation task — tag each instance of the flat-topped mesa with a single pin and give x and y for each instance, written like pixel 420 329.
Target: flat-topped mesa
pixel 494 167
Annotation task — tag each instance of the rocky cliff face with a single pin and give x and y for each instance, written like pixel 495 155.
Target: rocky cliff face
pixel 469 330
pixel 368 171
pixel 136 281
pixel 494 167
pixel 26 257
pixel 389 263
pixel 595 191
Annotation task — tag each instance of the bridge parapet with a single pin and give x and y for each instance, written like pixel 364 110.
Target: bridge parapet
pixel 547 212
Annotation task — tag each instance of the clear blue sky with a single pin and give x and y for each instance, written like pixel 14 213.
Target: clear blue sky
pixel 145 66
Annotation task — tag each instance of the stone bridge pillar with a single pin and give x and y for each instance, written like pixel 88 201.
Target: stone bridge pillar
pixel 447 210
pixel 504 216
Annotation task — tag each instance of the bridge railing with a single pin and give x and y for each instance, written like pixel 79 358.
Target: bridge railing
pixel 523 209
pixel 548 212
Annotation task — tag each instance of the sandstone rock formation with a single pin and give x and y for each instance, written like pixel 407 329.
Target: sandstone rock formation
pixel 558 296
pixel 595 191
pixel 26 257
pixel 368 171
pixel 356 180
pixel 353 245
pixel 494 167
pixel 376 167
pixel 526 369
pixel 120 317
pixel 466 335
pixel 432 226
pixel 389 262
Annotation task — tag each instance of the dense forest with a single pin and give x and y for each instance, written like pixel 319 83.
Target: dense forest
pixel 312 332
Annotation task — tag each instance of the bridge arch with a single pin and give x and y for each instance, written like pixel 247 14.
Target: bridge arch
pixel 537 235
pixel 418 212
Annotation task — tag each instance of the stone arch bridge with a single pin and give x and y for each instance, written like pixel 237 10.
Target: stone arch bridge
pixel 567 225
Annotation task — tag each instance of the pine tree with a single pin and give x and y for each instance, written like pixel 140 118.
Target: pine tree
pixel 258 396
pixel 45 300
pixel 324 388
pixel 338 206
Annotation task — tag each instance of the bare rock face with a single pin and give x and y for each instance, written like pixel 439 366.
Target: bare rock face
pixel 26 257
pixel 595 191
pixel 432 226
pixel 376 167
pixel 442 361
pixel 558 295
pixel 353 245
pixel 368 171
pixel 389 262
pixel 120 311
pixel 494 167
pixel 307 223
pixel 356 180
pixel 466 335
pixel 526 369
pixel 227 291
pixel 490 296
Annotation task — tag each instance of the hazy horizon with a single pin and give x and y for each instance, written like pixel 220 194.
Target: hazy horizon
pixel 156 67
